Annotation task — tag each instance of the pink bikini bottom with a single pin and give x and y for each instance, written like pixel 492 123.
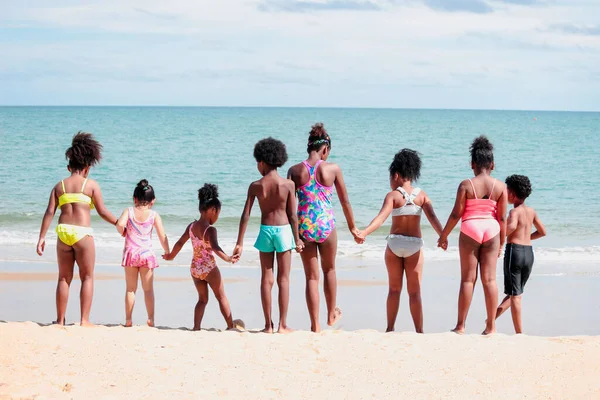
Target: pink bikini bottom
pixel 480 230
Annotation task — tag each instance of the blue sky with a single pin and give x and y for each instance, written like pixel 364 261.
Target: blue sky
pixel 509 54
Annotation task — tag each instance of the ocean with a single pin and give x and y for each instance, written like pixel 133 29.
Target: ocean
pixel 178 149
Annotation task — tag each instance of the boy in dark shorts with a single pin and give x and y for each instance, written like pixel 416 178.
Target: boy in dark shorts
pixel 518 256
pixel 278 234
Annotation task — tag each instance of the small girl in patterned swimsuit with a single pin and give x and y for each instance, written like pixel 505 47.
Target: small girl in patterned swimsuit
pixel 204 268
pixel 136 224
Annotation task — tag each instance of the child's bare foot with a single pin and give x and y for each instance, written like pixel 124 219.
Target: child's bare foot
pixel 87 324
pixel 337 315
pixel 150 323
pixel 284 329
pixel 196 328
pixel 269 328
pixel 490 332
pixel 128 323
pixel 458 331
pixel 59 322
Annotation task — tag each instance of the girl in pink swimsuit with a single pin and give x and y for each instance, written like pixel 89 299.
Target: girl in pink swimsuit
pixel 136 224
pixel 482 232
pixel 204 268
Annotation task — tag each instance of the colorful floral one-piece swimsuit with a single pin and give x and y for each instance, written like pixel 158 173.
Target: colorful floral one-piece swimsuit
pixel 315 211
pixel 203 261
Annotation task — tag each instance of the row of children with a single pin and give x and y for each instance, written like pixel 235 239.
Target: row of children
pixel 309 228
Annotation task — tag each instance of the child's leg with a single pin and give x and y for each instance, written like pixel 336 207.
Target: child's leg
pixel 147 278
pixel 202 288
pixel 505 305
pixel 395 269
pixel 310 260
pixel 66 262
pixel 85 255
pixel 468 250
pixel 488 258
pixel 131 282
pixel 284 265
pixel 216 284
pixel 413 267
pixel 266 285
pixel 516 313
pixel 328 252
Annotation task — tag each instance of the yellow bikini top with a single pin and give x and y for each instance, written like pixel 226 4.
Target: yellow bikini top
pixel 68 198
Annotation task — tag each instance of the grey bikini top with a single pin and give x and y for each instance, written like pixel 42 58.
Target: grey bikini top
pixel 409 208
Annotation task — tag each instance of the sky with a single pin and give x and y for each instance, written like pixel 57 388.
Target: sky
pixel 474 54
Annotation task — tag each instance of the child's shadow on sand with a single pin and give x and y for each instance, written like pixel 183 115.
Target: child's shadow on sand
pixel 162 328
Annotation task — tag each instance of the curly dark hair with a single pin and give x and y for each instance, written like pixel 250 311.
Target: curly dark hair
pixel 317 138
pixel 407 164
pixel 482 152
pixel 208 197
pixel 85 151
pixel 519 185
pixel 144 192
pixel 271 151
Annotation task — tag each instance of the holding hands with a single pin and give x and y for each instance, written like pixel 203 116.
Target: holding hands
pixel 443 243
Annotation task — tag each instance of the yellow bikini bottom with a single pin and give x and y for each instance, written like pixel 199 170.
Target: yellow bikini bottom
pixel 71 234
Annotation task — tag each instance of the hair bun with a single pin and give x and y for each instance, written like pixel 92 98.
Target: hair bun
pixel 143 183
pixel 207 193
pixel 482 143
pixel 318 131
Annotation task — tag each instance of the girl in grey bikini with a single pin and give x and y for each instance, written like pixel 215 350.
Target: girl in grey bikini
pixel 404 252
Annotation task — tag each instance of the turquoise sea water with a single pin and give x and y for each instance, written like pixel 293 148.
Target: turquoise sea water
pixel 178 149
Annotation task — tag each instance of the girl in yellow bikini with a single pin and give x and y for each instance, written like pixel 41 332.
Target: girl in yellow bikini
pixel 76 196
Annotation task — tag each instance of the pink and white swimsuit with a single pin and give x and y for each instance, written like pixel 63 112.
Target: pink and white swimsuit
pixel 138 250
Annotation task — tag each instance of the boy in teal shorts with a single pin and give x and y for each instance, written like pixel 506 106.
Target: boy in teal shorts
pixel 278 230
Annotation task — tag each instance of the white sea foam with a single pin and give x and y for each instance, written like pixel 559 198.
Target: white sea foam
pixel 347 249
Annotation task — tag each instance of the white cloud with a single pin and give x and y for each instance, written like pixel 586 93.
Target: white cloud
pixel 235 54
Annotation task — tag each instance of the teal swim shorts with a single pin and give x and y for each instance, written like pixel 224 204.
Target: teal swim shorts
pixel 275 239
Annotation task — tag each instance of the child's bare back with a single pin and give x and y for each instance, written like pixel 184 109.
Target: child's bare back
pixel 273 193
pixel 524 218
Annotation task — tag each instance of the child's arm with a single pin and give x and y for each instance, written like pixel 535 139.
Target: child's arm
pixel 431 217
pixel 122 222
pixel 384 213
pixel 239 247
pixel 512 222
pixel 214 244
pixel 292 214
pixel 160 232
pixel 540 228
pixel 99 204
pixel 46 221
pixel 340 187
pixel 177 248
pixel 455 215
pixel 502 206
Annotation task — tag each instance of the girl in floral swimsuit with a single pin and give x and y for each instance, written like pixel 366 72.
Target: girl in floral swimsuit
pixel 316 180
pixel 204 268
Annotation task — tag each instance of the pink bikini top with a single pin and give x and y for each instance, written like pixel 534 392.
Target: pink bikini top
pixel 481 208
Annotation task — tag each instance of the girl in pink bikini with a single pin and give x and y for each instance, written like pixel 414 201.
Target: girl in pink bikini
pixel 136 224
pixel 204 268
pixel 316 180
pixel 481 202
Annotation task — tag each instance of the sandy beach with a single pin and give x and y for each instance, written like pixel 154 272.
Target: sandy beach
pixel 116 362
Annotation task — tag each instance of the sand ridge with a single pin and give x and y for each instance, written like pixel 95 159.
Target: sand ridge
pixel 140 362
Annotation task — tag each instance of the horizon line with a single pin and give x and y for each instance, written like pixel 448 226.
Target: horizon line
pixel 291 107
